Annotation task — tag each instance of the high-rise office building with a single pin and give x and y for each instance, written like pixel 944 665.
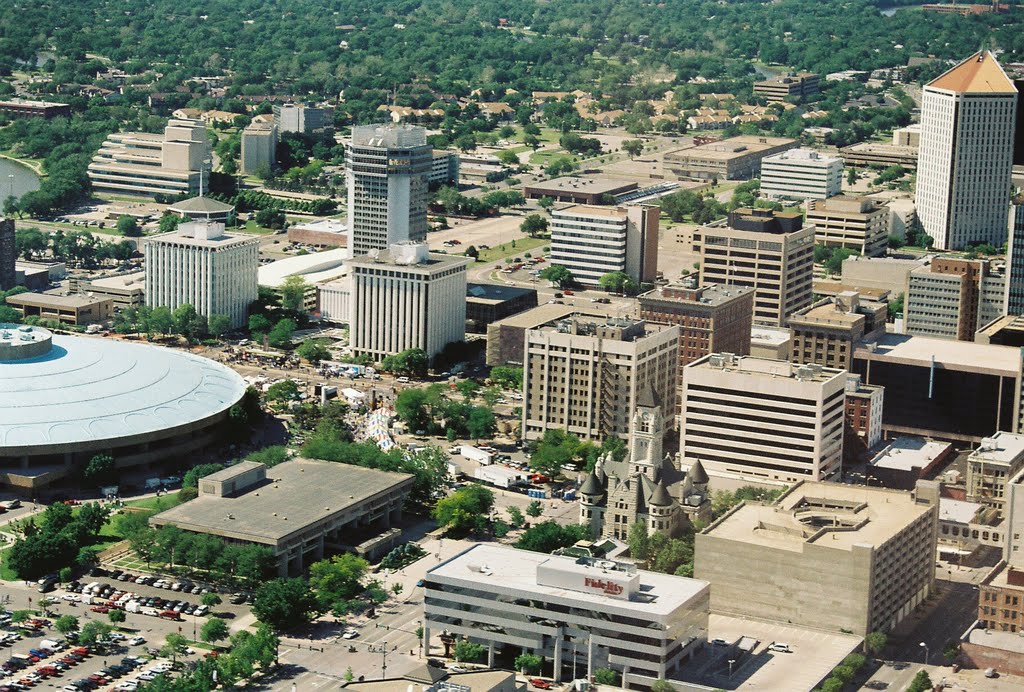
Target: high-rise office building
pixel 952 298
pixel 145 164
pixel 200 264
pixel 860 224
pixel 8 254
pixel 966 154
pixel 591 241
pixel 755 419
pixel 801 174
pixel 388 172
pixel 1013 303
pixel 584 374
pixel 259 148
pixel 407 298
pixel 770 251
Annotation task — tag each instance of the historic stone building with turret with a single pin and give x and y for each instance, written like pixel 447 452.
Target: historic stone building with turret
pixel 646 486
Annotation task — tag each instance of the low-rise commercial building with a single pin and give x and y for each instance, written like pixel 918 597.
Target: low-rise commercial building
pixel 880 154
pixel 950 390
pixel 825 555
pixel 322 233
pixel 787 87
pixel 489 303
pixel 736 158
pixel 764 421
pixel 952 298
pixel 879 273
pixel 864 407
pixel 1008 330
pixel 771 252
pixel 76 309
pixel 574 611
pixel 1001 600
pixel 801 174
pixel 773 343
pixel 855 223
pixel 584 375
pixel 302 118
pixel 990 467
pixel 825 333
pixel 124 291
pixel 145 164
pixel 906 460
pixel 407 298
pixel 591 241
pixel 297 509
pixel 23 108
pixel 579 190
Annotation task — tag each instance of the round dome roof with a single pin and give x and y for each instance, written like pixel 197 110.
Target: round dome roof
pixel 85 392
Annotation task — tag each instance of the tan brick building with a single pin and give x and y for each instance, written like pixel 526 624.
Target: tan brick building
pixel 855 223
pixel 826 332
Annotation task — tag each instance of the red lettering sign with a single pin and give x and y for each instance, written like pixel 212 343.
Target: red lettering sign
pixel 608 587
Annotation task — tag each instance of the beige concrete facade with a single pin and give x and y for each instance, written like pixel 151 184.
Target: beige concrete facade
pixel 855 223
pixel 584 375
pixel 829 556
pixel 736 158
pixel 826 332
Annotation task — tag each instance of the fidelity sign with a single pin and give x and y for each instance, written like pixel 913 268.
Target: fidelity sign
pixel 609 588
pixel 562 573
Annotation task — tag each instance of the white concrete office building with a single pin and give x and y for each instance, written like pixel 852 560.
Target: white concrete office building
pixel 760 420
pixel 259 148
pixel 406 298
pixel 581 614
pixel 591 241
pixel 388 173
pixel 300 117
pixel 146 164
pixel 801 174
pixel 202 265
pixel 968 116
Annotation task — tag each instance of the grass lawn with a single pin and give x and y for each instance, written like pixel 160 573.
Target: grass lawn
pixel 253 227
pixel 6 573
pixel 159 503
pixel 507 250
pixel 547 135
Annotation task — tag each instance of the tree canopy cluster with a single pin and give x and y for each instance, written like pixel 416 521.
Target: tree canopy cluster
pixel 432 410
pixel 61 538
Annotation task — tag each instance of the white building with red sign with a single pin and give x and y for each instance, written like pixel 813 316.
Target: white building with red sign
pixel 580 614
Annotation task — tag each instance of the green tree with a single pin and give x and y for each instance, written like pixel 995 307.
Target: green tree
pixel 313 351
pixel 219 325
pixel 413 362
pixel 832 684
pixel 100 470
pixel 533 225
pixel 271 218
pixel 30 242
pixel 618 282
pixel 633 147
pixel 508 377
pixel 92 632
pixel 169 222
pixel 285 390
pixel 465 511
pixel 851 176
pixel 508 157
pixel 549 536
pixel 214 630
pixel 606 676
pixel 259 324
pixel 528 664
pixel 467 651
pixel 921 682
pixel 875 642
pixel 128 226
pixel 293 294
pixel 174 645
pixel 639 542
pixel 210 600
pixel 481 422
pixel 338 579
pixel 534 509
pixel 662 686
pixel 546 202
pixel 66 624
pixel 284 604
pixel 558 276
pixel 515 516
pixel 116 616
pixel 281 335
pixel 192 476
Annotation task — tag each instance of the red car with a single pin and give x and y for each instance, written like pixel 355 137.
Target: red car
pixel 170 615
pixel 540 684
pixel 100 609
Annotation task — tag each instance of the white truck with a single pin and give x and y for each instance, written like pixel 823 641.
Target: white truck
pixel 476 454
pixel 500 476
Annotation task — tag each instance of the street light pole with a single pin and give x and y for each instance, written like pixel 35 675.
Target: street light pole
pixel 731 661
pixel 926 652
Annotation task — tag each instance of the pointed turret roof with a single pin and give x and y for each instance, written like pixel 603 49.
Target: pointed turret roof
pixel 697 473
pixel 660 496
pixel 647 398
pixel 978 74
pixel 591 485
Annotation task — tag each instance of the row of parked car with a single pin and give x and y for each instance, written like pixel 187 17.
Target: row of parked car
pixel 184 586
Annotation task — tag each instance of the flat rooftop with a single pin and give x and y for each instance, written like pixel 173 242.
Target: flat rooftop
pixel 495 293
pixel 297 494
pixel 590 210
pixel 826 314
pixel 123 281
pixel 27 102
pixel 1001 579
pixel 906 453
pixel 766 368
pixel 963 356
pixel 865 516
pixel 711 295
pixel 731 148
pixel 47 300
pixel 314 267
pixel 1000 448
pixel 959 511
pixel 770 336
pixel 597 186
pixel 538 316
pixel 516 570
